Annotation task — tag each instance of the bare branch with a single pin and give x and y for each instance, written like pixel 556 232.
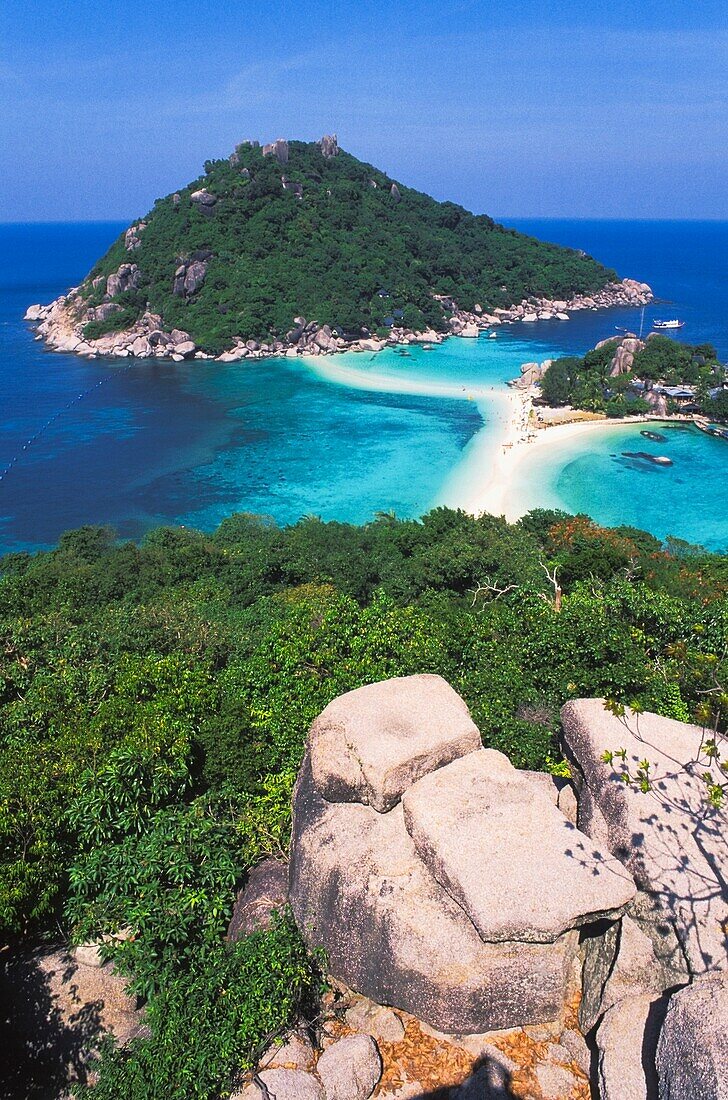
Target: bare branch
pixel 553 577
pixel 488 587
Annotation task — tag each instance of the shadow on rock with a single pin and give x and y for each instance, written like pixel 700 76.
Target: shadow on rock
pixel 53 1011
pixel 43 1047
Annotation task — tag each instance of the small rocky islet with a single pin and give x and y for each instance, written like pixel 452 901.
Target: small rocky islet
pixel 299 248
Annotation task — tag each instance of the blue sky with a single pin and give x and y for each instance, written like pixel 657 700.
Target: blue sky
pixel 527 108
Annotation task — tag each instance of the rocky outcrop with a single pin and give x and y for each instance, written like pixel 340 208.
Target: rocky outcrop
pixel 531 374
pixel 625 293
pixel 372 744
pixel 203 199
pixel 506 854
pixel 404 897
pixel 329 146
pixel 447 887
pixel 668 839
pixel 133 236
pixel 265 891
pixel 625 350
pixel 126 277
pixel 190 274
pixel 292 185
pixel 102 312
pixel 277 149
pixel 626 1044
pixel 61 322
pixel 657 402
pixel 395 192
pixel 673 843
pixel 61 325
pixel 692 1052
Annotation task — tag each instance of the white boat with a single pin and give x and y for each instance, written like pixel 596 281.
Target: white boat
pixel 668 324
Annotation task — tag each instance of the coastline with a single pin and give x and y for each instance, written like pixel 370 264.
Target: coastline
pixel 498 494
pixel 486 479
pixel 62 323
pixel 503 410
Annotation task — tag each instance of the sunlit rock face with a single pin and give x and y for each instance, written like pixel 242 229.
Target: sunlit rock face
pixel 438 878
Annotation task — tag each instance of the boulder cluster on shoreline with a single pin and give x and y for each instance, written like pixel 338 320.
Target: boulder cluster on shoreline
pixel 61 324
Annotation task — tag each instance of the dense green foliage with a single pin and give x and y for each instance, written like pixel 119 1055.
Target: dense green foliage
pixel 211 1021
pixel 328 254
pixel 156 698
pixel 586 383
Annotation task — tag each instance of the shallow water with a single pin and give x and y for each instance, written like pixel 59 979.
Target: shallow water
pixel 141 443
pixel 591 474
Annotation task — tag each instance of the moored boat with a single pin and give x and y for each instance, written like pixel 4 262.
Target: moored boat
pixel 673 324
pixel 656 460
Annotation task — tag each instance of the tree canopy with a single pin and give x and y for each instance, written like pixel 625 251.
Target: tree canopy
pixel 155 700
pixel 587 383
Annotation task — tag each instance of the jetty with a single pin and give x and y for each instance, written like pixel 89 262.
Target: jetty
pixel 718 431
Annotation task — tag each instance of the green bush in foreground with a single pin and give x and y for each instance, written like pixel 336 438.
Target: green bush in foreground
pixel 210 1022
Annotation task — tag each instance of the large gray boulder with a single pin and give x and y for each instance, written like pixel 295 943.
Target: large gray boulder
pixel 329 146
pixel 203 198
pixel 626 1043
pixel 371 744
pixel 324 339
pixel 195 276
pixel 358 889
pixel 126 277
pixel 277 149
pixel 507 855
pixel 692 1051
pixel 669 839
pixel 102 312
pixel 438 878
pixel 265 891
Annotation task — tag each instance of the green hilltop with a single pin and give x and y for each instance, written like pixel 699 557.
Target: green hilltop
pixel 304 228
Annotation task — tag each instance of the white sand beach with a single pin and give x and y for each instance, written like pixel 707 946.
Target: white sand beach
pixel 340 370
pixel 498 491
pixel 490 476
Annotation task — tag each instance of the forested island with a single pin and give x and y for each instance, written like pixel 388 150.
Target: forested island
pixel 156 700
pixel 626 376
pixel 298 246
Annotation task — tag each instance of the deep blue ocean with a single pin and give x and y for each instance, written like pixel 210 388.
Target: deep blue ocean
pixel 136 444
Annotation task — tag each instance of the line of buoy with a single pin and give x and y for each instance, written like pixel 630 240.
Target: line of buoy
pixel 69 404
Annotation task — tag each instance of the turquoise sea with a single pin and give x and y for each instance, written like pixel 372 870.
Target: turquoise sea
pixel 139 444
